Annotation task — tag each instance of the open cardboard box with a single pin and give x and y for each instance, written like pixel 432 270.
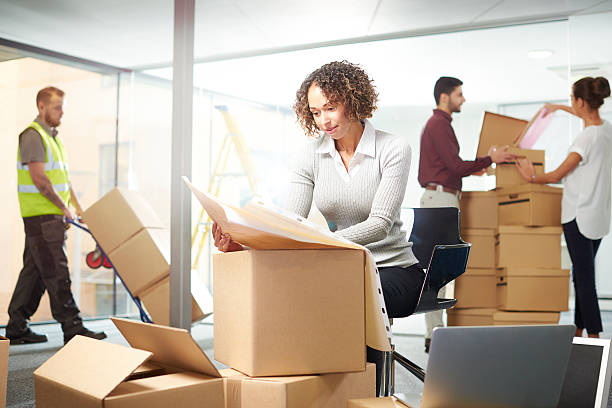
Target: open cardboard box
pixel 4 356
pixel 500 130
pixel 91 373
pixel 313 391
pixel 290 312
pixel 119 215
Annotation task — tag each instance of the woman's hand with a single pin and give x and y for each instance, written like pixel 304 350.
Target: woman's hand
pixel 525 169
pixel 224 242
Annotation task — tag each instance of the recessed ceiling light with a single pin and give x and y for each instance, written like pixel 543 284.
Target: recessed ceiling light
pixel 539 54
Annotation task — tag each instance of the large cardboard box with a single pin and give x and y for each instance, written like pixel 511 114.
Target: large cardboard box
pixel 501 318
pixel 482 252
pixel 476 288
pixel 117 216
pixel 316 391
pixel 533 289
pixel 156 300
pixel 4 356
pixel 290 312
pixel 528 247
pixel 384 402
pixel 91 373
pixel 478 209
pixel 470 317
pixel 143 259
pixel 500 130
pixel 530 205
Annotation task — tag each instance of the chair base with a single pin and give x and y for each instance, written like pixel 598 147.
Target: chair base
pixel 387 383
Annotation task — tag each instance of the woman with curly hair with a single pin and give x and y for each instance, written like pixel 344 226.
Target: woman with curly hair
pixel 585 206
pixel 356 175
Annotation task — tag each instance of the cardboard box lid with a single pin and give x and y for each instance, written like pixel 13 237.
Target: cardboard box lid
pixel 535 272
pixel 170 346
pixel 481 232
pixel 92 367
pixel 473 311
pixel 529 188
pixel 498 130
pixel 525 316
pixel 521 229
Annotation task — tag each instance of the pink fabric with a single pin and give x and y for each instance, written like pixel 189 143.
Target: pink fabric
pixel 535 130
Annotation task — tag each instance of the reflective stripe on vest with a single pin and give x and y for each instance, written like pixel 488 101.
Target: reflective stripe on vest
pixel 31 201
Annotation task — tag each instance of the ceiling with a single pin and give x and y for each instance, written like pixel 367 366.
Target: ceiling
pixel 138 33
pixel 493 63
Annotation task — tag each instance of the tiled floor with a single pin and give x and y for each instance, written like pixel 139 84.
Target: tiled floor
pixel 25 359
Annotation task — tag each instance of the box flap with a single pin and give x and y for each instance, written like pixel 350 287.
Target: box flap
pixel 498 130
pixel 90 366
pixel 526 316
pixel 521 229
pixel 170 346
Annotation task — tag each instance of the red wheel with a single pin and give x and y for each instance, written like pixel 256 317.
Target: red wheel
pixel 93 260
pixel 106 263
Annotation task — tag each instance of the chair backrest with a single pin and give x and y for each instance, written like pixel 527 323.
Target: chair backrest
pixel 437 244
pixel 431 227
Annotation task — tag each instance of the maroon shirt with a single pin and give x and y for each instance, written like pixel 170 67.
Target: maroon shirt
pixel 439 162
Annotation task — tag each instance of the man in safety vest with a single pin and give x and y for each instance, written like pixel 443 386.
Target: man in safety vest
pixel 44 193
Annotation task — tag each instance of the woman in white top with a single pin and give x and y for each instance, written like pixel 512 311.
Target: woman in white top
pixel 585 207
pixel 356 175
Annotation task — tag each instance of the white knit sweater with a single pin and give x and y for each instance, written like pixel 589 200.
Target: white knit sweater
pixel 365 207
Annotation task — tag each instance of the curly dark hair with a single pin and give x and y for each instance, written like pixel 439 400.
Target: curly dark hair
pixel 342 83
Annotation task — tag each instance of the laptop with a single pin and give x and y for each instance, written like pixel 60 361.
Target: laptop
pixel 495 366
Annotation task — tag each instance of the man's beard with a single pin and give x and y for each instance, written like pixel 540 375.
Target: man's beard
pixel 454 108
pixel 51 122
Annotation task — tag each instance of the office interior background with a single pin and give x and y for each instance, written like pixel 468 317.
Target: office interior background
pixel 114 61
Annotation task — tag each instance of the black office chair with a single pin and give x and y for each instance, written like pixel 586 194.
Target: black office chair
pixel 443 255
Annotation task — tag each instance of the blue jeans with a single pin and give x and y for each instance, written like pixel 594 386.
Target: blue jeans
pixel 582 251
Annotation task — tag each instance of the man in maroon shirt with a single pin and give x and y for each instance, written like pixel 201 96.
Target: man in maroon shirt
pixel 441 169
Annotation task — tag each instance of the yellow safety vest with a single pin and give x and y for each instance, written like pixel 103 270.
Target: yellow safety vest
pixel 31 201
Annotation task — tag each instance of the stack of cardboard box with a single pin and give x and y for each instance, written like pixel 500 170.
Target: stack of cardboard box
pixel 291 325
pixel 514 273
pixel 138 245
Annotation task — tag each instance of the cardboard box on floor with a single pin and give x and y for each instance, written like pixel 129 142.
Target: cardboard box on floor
pixel 501 318
pixel 143 260
pixel 533 289
pixel 119 215
pixel 385 402
pixel 530 205
pixel 290 312
pixel 313 391
pixel 528 247
pixel 482 252
pixel 500 130
pixel 4 356
pixel 156 300
pixel 476 288
pixel 478 210
pixel 98 380
pixel 470 317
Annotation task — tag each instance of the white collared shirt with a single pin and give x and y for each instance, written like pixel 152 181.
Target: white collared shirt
pixel 586 189
pixel 366 148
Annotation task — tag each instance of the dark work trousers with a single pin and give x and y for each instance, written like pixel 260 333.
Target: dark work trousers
pixel 401 289
pixel 45 267
pixel 582 252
